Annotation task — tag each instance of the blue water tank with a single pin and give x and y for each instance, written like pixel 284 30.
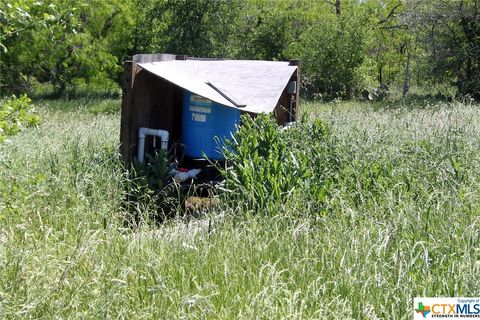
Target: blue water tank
pixel 203 120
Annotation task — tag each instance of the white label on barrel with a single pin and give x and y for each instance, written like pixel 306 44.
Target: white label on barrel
pixel 199 100
pixel 199 117
pixel 200 109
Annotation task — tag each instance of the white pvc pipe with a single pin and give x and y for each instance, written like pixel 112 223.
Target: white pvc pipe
pixel 184 176
pixel 143 132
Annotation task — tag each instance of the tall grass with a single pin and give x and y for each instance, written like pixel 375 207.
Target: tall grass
pixel 387 210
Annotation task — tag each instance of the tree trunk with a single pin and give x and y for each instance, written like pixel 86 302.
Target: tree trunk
pixel 338 7
pixel 406 82
pixel 380 75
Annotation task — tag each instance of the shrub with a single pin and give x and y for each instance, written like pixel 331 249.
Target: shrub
pixel 16 114
pixel 268 165
pixel 150 188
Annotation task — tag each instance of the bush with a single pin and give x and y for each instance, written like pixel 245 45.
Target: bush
pixel 269 165
pixel 150 188
pixel 16 114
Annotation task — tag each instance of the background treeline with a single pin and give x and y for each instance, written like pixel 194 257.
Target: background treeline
pixel 346 46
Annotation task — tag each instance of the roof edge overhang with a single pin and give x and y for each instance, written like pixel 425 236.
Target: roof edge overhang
pixel 219 82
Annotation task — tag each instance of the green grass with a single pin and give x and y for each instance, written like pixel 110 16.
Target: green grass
pixel 391 214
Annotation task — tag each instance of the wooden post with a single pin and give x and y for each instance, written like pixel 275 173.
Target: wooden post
pixel 293 62
pixel 129 73
pixel 296 62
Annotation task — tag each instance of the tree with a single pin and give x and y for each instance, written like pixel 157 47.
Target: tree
pixel 332 51
pixel 61 42
pixel 193 27
pixel 18 19
pixel 450 33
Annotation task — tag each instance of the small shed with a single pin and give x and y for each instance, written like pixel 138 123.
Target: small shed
pixel 154 87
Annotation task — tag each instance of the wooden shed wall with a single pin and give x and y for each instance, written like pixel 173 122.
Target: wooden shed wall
pixel 282 109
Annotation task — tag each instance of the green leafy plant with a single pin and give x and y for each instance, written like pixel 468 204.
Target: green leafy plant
pixel 268 165
pixel 150 185
pixel 16 114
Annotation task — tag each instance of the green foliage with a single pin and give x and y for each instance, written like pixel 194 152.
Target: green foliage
pixel 16 114
pixel 331 52
pixel 105 107
pixel 346 46
pixel 269 166
pixel 265 29
pixel 154 173
pixel 62 43
pixel 150 188
pixel 456 57
pixel 201 28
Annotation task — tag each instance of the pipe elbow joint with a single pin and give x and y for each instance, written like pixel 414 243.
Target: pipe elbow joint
pixel 143 132
pixel 163 134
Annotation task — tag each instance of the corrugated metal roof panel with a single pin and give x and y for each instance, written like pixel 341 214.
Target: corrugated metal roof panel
pixel 253 86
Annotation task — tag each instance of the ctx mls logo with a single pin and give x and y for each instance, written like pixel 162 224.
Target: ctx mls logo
pixel 423 310
pixel 451 308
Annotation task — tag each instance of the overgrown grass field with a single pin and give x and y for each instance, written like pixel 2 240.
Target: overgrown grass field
pixel 348 218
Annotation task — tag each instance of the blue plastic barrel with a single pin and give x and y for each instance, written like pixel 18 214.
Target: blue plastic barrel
pixel 203 120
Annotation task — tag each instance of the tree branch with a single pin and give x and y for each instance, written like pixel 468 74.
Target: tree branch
pixel 392 12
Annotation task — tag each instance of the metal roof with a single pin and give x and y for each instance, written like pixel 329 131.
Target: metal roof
pixel 253 86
